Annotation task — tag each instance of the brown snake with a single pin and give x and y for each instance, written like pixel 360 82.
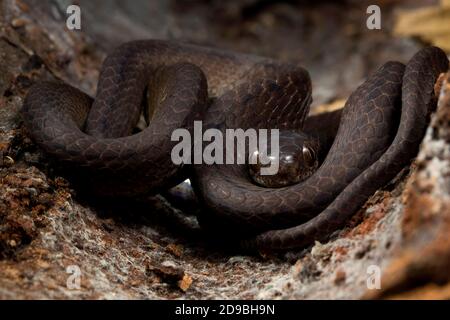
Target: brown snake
pixel 380 129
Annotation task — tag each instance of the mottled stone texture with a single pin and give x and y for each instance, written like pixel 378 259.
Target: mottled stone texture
pixel 148 249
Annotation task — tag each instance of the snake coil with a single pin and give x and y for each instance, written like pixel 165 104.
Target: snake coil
pixel 380 129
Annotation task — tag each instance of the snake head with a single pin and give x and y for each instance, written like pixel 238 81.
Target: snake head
pixel 297 160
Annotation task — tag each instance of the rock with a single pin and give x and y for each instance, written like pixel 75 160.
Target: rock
pixel 172 274
pixel 340 276
pixel 429 23
pixel 421 266
pixel 130 249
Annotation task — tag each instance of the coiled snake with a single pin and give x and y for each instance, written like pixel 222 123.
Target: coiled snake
pixel 380 129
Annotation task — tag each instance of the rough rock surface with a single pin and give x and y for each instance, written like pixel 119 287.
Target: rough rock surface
pixel 147 249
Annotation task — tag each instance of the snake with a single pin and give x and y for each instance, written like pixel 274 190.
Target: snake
pixel 347 155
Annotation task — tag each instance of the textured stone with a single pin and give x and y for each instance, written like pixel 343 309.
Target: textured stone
pixel 48 229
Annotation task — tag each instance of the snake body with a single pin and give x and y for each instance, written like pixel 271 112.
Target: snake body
pixel 380 130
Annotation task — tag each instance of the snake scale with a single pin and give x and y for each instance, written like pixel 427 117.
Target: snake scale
pixel 379 132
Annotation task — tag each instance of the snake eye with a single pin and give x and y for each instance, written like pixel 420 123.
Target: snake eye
pixel 308 156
